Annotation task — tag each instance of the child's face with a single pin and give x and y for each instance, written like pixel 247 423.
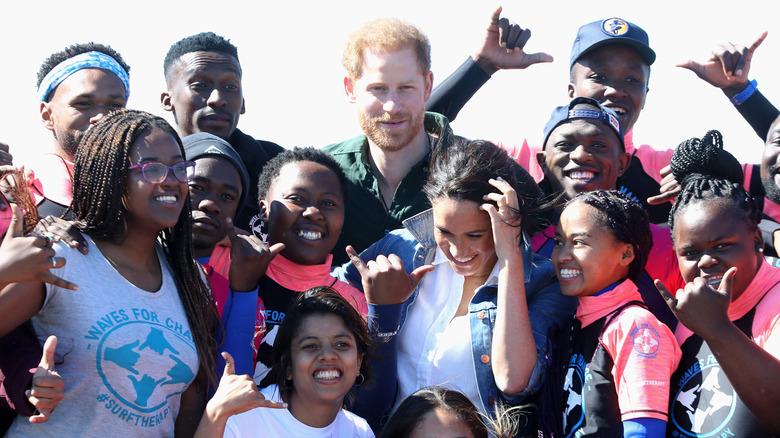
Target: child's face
pixel 587 256
pixel 710 237
pixel 582 156
pixel 305 208
pixel 616 76
pixel 324 362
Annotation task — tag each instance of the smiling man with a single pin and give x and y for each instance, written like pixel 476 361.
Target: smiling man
pixel 203 76
pixel 610 62
pixel 389 80
pixel 76 87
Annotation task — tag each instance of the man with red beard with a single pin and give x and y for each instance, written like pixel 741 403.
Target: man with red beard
pixel 389 80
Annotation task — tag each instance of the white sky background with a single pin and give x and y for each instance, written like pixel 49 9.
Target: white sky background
pixel 293 79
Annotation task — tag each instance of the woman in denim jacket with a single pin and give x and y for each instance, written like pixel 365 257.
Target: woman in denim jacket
pixel 471 249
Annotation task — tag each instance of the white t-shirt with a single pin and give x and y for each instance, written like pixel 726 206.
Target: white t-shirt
pixel 270 423
pixel 434 347
pixel 126 354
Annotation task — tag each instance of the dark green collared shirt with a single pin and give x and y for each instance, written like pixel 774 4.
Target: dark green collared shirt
pixel 366 219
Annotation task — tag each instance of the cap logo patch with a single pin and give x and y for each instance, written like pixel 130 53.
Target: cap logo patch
pixel 614 122
pixel 614 27
pixel 212 150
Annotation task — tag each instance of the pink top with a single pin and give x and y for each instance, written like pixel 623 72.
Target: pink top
pixel 303 277
pixel 644 351
pixel 53 179
pixel 763 293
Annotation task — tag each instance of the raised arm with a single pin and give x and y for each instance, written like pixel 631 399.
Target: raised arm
pixel 501 48
pixel 25 264
pixel 513 349
pixel 728 69
pixel 387 286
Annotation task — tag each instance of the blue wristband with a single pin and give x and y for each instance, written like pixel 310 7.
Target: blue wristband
pixel 746 93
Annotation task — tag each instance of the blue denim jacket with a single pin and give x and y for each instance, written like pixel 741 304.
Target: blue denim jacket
pixel 415 245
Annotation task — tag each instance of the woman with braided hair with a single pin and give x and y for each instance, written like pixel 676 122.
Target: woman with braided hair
pixel 728 381
pixel 135 338
pixel 613 379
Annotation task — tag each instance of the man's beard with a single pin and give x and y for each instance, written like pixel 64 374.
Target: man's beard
pixel 771 190
pixel 69 142
pixel 383 138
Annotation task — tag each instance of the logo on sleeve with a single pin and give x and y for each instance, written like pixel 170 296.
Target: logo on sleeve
pixel 646 340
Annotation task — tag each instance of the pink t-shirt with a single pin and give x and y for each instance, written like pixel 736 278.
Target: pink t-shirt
pixel 644 351
pixel 763 293
pixel 53 179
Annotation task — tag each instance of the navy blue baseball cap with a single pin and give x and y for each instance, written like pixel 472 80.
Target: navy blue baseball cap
pixel 611 31
pixel 203 144
pixel 565 113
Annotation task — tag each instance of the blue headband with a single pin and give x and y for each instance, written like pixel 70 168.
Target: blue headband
pixel 78 62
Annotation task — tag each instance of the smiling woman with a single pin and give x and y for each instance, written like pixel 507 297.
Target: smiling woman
pixel 478 322
pixel 137 332
pixel 321 351
pixel 729 304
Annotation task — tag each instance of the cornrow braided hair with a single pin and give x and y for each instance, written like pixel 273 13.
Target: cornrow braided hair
pixel 705 156
pixel 626 219
pixel 706 171
pixel 698 187
pixel 99 177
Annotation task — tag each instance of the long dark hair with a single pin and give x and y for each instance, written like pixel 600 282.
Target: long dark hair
pixel 462 170
pixel 99 177
pixel 320 300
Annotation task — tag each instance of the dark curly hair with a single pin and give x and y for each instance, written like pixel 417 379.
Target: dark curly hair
pixel 202 42
pixel 74 50
pixel 626 219
pixel 706 171
pixel 320 300
pixel 272 169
